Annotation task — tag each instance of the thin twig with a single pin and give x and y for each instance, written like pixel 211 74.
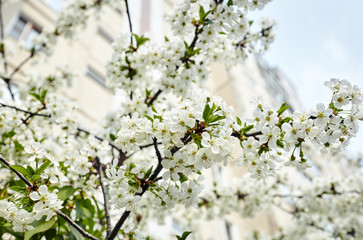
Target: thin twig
pixel 154 97
pixel 76 226
pixel 99 138
pixel 32 54
pixel 130 23
pixel 25 111
pixel 98 167
pixel 29 184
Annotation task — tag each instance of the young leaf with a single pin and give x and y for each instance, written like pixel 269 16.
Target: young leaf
pixel 65 192
pixel 21 169
pixel 112 137
pixel 184 235
pixel 40 226
pixel 239 121
pixel 148 173
pixel 18 146
pixel 201 12
pixel 30 171
pixel 282 109
pixel 42 168
pixel 206 111
pixel 247 128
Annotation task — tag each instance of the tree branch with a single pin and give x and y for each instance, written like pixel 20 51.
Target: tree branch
pixel 25 111
pixel 29 184
pixel 100 139
pixel 154 97
pixel 76 226
pixel 98 167
pixel 130 23
pixel 32 54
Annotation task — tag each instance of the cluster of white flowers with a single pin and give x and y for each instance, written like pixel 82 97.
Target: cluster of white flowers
pixel 45 204
pixel 217 32
pixel 20 218
pixel 276 132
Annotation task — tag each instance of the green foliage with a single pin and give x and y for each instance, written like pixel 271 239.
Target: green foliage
pixel 112 137
pixel 140 40
pixel 40 95
pixel 39 227
pixel 184 236
pixel 209 115
pixel 66 192
pixel 84 208
pixel 202 14
pixel 282 109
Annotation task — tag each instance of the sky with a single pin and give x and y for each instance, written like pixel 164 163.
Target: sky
pixel 316 41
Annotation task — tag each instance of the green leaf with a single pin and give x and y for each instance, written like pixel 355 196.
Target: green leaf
pixel 184 235
pixel 42 168
pixel 183 178
pixel 20 183
pixel 215 118
pixel 76 234
pixel 148 173
pixel 39 227
pixel 131 166
pixel 18 146
pixel 158 117
pixel 84 209
pixel 153 109
pixel 239 121
pixel 35 95
pixel 148 117
pixel 30 171
pixel 280 143
pixel 112 137
pixel 65 192
pixel 286 120
pixel 21 169
pixel 17 188
pixel 147 92
pixel 140 40
pixel 43 95
pixel 201 12
pixel 282 109
pixel 206 112
pixel 247 128
pixel 9 134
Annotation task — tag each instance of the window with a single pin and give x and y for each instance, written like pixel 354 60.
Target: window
pixel 24 30
pixel 105 35
pixel 229 230
pixel 92 73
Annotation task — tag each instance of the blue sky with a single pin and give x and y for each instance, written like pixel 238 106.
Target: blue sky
pixel 315 41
